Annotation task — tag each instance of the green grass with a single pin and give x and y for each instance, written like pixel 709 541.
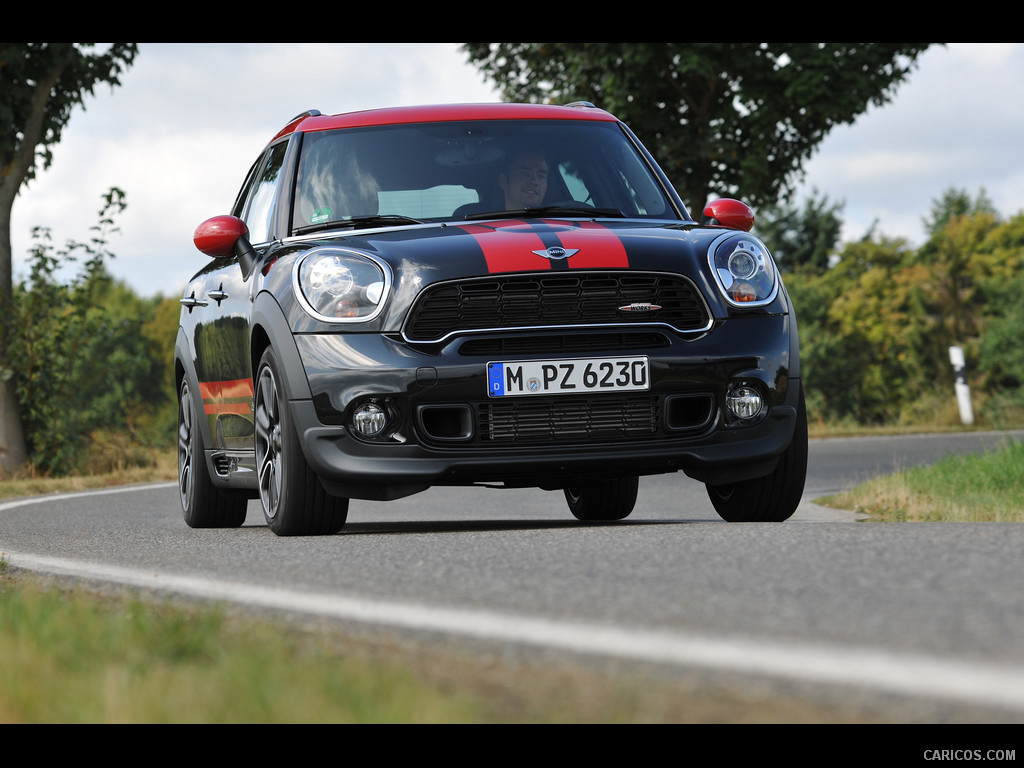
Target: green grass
pixel 970 488
pixel 70 657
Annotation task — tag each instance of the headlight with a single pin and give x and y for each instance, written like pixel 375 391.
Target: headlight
pixel 744 269
pixel 339 286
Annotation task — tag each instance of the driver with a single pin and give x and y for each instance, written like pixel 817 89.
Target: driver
pixel 524 181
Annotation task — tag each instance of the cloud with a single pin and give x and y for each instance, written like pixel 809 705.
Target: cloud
pixel 956 122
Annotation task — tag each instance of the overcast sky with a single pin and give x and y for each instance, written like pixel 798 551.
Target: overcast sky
pixel 189 119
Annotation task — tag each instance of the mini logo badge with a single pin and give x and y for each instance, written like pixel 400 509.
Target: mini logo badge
pixel 640 306
pixel 557 253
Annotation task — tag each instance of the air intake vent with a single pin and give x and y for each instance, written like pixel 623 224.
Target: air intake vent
pixel 569 420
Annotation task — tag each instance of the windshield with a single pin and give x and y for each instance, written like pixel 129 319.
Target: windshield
pixel 466 170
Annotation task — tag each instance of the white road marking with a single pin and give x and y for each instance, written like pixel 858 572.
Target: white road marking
pixel 906 674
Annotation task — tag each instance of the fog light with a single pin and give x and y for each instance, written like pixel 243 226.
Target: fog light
pixel 744 402
pixel 369 419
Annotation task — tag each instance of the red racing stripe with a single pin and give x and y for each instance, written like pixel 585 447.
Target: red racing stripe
pixel 509 246
pixel 598 246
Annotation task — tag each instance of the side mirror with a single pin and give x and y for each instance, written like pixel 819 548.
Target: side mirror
pixel 726 212
pixel 224 236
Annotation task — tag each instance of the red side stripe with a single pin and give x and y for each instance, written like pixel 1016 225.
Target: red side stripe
pixel 214 390
pixel 227 396
pixel 242 409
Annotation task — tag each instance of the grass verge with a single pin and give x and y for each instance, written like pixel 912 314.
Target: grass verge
pixel 70 657
pixel 75 656
pixel 161 466
pixel 983 488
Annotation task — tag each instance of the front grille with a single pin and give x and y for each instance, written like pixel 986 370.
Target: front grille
pixel 570 420
pixel 526 301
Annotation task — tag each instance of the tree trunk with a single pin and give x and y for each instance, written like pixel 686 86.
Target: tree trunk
pixel 13 451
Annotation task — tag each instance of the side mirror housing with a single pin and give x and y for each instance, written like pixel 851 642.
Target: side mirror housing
pixel 726 212
pixel 224 236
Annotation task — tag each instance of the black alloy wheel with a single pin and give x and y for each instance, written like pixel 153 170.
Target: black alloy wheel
pixel 293 498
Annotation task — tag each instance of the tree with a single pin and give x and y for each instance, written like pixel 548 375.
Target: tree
pixel 40 84
pixel 956 202
pixel 802 237
pixel 727 119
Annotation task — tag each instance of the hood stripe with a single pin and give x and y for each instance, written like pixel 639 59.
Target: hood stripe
pixel 599 248
pixel 508 251
pixel 509 246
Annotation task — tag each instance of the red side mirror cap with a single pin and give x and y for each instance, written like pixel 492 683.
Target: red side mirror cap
pixel 726 212
pixel 216 237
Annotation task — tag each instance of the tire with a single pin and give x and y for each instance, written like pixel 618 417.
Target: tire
pixel 203 504
pixel 603 500
pixel 293 498
pixel 775 497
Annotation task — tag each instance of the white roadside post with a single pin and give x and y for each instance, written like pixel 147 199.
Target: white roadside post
pixel 963 392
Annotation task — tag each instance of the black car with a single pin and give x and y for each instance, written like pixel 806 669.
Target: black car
pixel 498 295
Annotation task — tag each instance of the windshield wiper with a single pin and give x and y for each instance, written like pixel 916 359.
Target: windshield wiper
pixel 550 210
pixel 358 222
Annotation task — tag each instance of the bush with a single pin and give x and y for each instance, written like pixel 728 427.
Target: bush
pixel 77 350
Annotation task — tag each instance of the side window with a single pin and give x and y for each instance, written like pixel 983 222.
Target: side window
pixel 245 191
pixel 260 205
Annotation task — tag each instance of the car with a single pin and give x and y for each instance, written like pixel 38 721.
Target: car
pixel 494 295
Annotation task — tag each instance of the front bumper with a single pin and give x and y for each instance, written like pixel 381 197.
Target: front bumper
pixel 447 431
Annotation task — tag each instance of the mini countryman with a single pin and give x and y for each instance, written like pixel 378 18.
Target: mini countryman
pixel 501 295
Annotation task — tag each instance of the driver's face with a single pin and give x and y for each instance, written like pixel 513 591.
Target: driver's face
pixel 526 182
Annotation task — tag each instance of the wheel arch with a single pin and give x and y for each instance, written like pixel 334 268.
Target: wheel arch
pixel 270 328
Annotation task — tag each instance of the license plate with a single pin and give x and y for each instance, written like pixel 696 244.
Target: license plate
pixel 568 377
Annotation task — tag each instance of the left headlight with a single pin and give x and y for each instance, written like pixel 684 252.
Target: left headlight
pixel 338 285
pixel 744 269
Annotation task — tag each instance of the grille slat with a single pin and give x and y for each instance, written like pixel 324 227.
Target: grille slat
pixel 519 301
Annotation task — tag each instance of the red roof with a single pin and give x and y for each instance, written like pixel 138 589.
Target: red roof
pixel 444 112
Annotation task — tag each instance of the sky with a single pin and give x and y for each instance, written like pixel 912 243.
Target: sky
pixel 189 119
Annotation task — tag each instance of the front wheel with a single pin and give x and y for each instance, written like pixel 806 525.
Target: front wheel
pixel 774 497
pixel 293 498
pixel 603 500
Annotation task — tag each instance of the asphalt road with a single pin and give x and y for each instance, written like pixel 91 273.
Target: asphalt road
pixel 921 620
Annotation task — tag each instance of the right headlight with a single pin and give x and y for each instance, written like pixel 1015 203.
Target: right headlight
pixel 339 286
pixel 744 269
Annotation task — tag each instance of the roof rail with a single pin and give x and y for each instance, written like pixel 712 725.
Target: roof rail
pixel 581 104
pixel 307 113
